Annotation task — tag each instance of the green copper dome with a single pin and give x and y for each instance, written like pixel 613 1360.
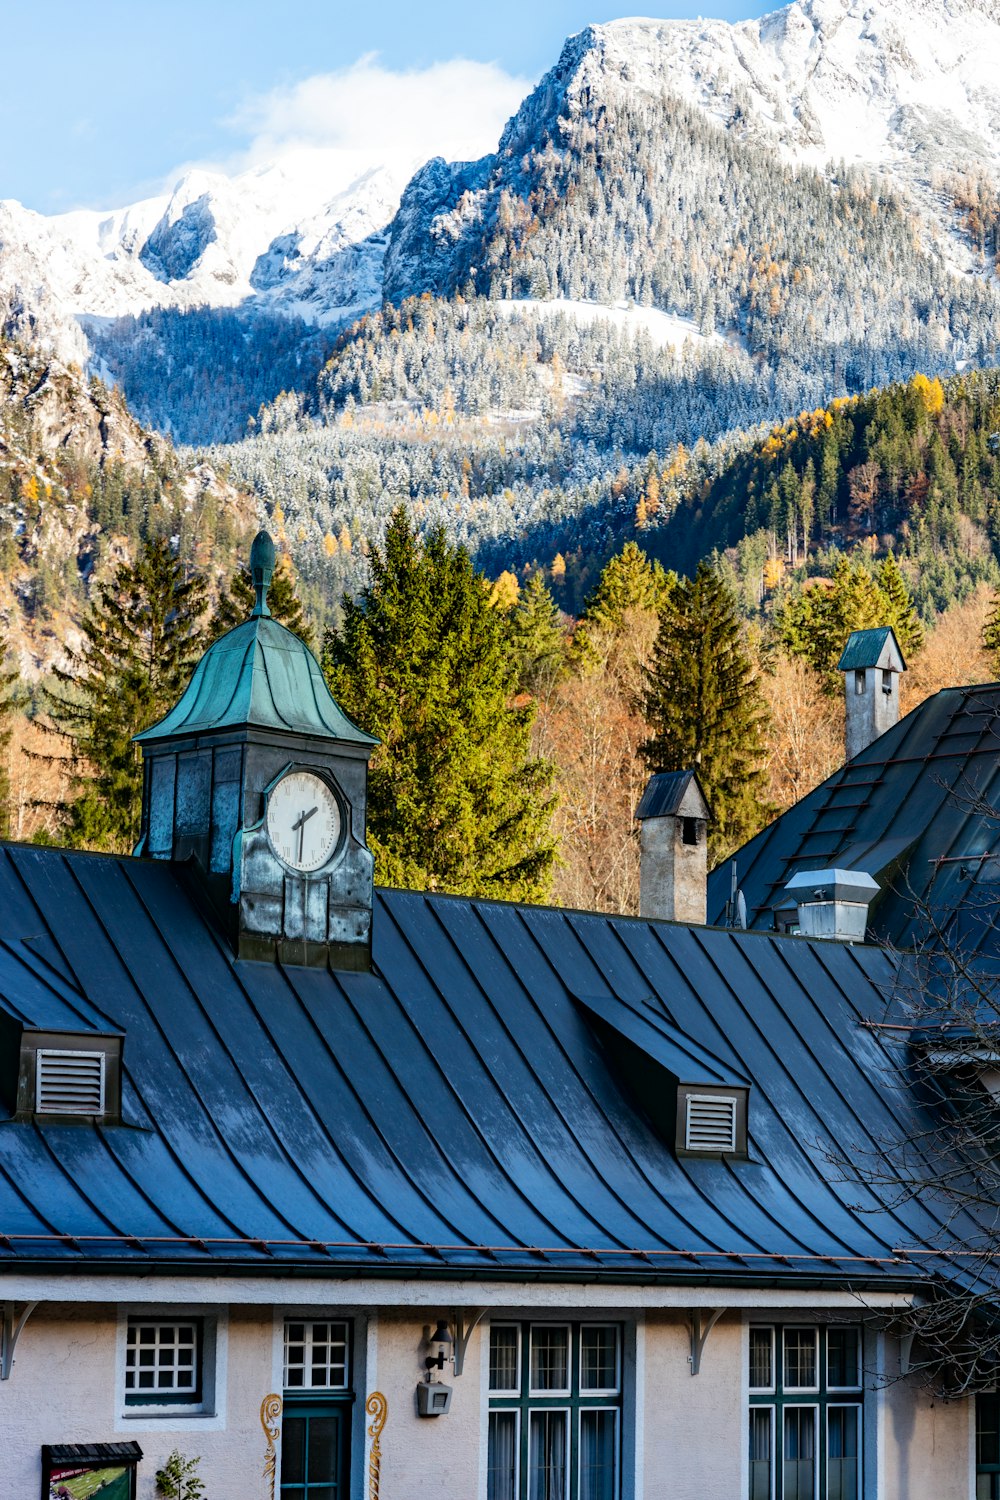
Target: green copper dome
pixel 258 676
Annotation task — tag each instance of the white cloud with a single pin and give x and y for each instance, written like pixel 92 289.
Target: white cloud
pixel 454 109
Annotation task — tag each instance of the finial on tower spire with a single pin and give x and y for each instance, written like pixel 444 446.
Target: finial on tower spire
pixel 261 570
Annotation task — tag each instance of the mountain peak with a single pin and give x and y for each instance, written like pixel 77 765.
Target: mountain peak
pixel 909 86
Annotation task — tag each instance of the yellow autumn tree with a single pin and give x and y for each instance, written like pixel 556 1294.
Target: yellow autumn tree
pixel 931 393
pixel 505 591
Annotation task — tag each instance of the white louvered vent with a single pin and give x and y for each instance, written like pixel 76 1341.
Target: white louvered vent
pixel 711 1123
pixel 69 1083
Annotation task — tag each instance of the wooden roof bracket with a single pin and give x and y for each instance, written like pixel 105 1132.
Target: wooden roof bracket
pixel 463 1333
pixel 10 1331
pixel 700 1322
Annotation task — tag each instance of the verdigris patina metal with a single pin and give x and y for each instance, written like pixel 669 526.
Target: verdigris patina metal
pixel 257 709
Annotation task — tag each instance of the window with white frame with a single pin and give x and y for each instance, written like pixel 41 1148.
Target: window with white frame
pixel 555 1410
pixel 164 1362
pixel 317 1356
pixel 806 1412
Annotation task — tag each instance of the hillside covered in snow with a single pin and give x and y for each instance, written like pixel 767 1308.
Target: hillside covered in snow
pixel 817 191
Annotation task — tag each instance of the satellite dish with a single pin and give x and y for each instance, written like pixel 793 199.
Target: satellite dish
pixel 741 910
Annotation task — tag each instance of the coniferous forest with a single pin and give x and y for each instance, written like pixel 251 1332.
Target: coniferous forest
pixel 637 382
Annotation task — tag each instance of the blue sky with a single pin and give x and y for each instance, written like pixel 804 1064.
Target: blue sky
pixel 102 104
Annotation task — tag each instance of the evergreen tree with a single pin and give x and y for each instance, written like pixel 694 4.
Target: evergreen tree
pixel 237 601
pixel 455 803
pixel 817 622
pixel 629 583
pixel 9 700
pixel 143 634
pixel 991 635
pixel 537 638
pixel 704 707
pixel 903 616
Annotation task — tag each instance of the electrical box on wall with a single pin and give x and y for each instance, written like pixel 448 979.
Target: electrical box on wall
pixel 433 1399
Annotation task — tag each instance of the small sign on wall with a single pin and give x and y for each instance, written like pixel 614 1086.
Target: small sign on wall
pixel 89 1471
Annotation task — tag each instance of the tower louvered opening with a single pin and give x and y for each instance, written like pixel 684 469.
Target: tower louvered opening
pixel 711 1123
pixel 69 1082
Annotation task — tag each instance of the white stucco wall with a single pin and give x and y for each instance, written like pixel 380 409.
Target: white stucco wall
pixel 424 1456
pixel 684 1436
pixel 65 1388
pixel 928 1447
pixel 693 1424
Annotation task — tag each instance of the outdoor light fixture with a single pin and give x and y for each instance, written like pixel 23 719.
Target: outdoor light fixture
pixel 441 1342
pixel 433 1396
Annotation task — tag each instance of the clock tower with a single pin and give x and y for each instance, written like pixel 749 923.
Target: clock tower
pixel 258 780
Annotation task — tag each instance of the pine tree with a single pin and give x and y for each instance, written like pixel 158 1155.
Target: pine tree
pixel 903 616
pixel 538 639
pixel 817 622
pixel 237 601
pixel 630 583
pixel 991 635
pixel 704 707
pixel 9 701
pixel 455 803
pixel 143 634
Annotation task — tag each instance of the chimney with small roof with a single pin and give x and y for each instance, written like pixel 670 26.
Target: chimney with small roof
pixel 871 664
pixel 673 818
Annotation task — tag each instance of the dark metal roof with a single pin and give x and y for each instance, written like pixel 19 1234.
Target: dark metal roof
pixel 92 1453
pixel 864 647
pixel 258 675
pixel 665 792
pixel 453 1112
pixel 916 810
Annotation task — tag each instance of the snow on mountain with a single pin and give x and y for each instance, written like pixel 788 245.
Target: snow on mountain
pixel 665 330
pixel 305 236
pixel 906 85
pixel 908 88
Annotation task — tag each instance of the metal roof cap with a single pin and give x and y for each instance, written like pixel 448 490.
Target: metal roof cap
pixel 868 648
pixel 665 792
pixel 832 885
pixel 259 675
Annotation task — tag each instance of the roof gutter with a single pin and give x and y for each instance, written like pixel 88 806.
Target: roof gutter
pixel 865 1282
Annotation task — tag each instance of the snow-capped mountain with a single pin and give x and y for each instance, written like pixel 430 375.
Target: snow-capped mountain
pixel 906 88
pixel 907 85
pixel 305 236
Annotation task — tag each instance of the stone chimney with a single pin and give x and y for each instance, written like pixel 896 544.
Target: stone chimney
pixel 673 818
pixel 871 664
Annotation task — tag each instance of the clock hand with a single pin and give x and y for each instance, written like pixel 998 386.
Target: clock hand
pixel 299 827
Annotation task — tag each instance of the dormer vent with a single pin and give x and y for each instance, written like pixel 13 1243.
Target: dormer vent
pixel 711 1123
pixel 69 1083
pixel 60 1077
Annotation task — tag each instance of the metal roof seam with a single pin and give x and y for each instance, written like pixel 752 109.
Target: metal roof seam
pixel 321 1126
pixel 139 996
pixel 238 1067
pixel 627 1152
pixel 14 866
pixel 387 1145
pixel 640 1169
pixel 877 1095
pixel 753 964
pixel 701 1192
pixel 514 1113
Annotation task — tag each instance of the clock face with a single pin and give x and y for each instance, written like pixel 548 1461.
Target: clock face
pixel 303 821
